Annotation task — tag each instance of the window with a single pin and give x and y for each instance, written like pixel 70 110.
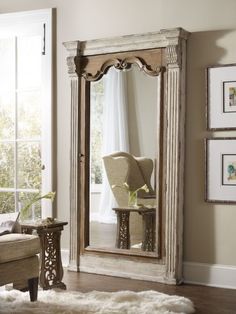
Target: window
pixel 25 110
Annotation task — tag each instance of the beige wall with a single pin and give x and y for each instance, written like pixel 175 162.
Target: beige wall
pixel 209 230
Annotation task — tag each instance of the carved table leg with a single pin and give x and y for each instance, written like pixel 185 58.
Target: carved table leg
pixel 51 266
pixel 123 235
pixel 149 222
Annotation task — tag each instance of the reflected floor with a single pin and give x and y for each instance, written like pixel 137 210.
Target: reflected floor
pixel 104 235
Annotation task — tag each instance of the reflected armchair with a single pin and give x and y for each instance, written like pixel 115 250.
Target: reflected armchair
pixel 123 167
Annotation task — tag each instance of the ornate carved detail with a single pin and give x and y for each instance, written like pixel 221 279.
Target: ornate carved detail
pixel 123 237
pixel 73 65
pixel 119 64
pixel 50 269
pixel 52 273
pixel 149 235
pixel 51 266
pixel 173 55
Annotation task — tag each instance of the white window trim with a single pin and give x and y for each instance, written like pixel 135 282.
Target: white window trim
pixel 44 16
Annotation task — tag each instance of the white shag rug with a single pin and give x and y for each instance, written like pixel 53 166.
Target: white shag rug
pixel 122 302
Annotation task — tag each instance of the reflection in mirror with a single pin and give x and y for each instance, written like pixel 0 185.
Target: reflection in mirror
pixel 123 136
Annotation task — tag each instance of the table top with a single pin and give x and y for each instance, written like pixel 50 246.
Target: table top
pixel 139 209
pixel 41 225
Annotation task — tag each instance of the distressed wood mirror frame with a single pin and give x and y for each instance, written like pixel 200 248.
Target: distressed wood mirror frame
pixel 163 52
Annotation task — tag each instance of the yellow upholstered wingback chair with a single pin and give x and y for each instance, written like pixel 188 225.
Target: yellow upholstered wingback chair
pixel 123 167
pixel 19 261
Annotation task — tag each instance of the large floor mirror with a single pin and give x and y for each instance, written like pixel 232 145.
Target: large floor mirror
pixel 123 150
pixel 127 155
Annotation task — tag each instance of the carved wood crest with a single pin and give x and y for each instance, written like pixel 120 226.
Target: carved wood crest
pixel 121 64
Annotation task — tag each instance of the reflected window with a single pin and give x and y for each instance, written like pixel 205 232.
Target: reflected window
pixel 97 110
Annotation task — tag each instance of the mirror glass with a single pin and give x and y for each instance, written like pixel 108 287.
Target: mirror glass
pixel 123 150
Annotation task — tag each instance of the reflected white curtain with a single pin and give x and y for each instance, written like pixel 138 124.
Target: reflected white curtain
pixel 115 134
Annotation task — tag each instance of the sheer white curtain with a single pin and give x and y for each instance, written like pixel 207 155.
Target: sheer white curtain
pixel 115 134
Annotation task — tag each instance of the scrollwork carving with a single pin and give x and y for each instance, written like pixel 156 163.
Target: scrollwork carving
pixel 120 64
pixel 51 267
pixel 149 237
pixel 123 239
pixel 50 258
pixel 51 274
pixel 173 55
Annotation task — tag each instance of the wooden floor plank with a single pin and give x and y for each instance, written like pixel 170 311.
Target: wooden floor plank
pixel 207 300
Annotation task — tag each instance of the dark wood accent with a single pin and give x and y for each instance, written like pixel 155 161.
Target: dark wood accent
pixel 121 64
pixel 84 146
pixel 207 300
pixel 122 233
pixel 84 128
pixel 33 288
pixel 87 160
pixel 51 273
pixel 131 255
pixel 149 231
pixel 160 216
pixel 91 65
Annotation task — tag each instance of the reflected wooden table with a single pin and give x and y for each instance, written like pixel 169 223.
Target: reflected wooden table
pixel 51 273
pixel 123 230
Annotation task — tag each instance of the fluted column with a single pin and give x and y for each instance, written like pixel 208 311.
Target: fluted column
pixel 73 62
pixel 174 172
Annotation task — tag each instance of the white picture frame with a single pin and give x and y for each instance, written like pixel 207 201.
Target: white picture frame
pixel 220 155
pixel 221 97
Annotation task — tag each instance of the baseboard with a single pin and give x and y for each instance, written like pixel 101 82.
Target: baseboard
pixel 65 257
pixel 214 275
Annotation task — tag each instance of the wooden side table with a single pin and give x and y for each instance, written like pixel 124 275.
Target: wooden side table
pixel 149 230
pixel 149 225
pixel 51 273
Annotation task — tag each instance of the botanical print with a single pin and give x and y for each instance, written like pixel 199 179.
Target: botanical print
pixel 221 97
pixel 229 169
pixel 232 96
pixel 229 99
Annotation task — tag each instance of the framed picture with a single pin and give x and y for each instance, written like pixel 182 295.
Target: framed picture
pixel 220 170
pixel 221 97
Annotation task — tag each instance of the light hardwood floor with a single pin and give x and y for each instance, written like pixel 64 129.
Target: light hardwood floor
pixel 207 300
pixel 104 235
